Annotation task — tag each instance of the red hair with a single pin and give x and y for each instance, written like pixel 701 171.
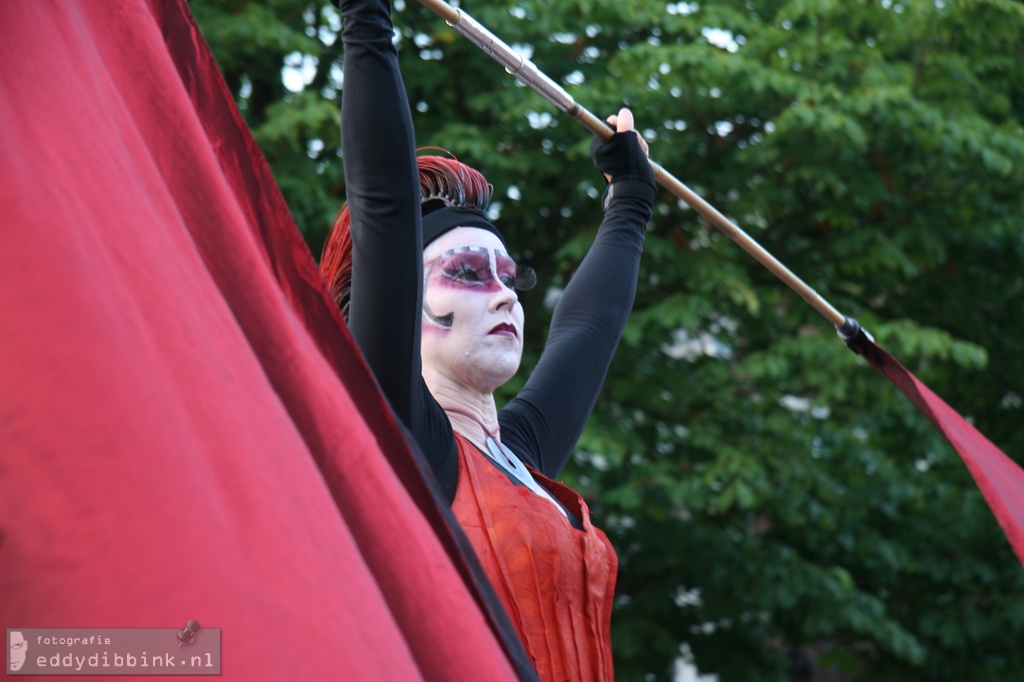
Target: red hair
pixel 443 182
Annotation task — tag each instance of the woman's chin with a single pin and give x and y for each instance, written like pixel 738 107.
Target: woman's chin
pixel 497 372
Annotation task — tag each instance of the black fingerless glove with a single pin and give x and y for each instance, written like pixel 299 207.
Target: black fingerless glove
pixel 624 160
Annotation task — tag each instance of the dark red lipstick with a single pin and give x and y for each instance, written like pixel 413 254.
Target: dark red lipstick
pixel 505 329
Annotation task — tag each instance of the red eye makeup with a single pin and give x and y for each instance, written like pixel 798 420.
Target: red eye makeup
pixel 470 267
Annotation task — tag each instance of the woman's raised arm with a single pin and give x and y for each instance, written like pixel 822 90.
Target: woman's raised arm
pixel 547 417
pixel 382 187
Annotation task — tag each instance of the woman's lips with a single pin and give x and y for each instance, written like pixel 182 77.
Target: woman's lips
pixel 505 330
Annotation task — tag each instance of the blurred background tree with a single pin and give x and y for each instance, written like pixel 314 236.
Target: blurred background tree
pixel 781 512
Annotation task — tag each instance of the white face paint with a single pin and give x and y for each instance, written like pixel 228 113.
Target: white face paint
pixel 472 318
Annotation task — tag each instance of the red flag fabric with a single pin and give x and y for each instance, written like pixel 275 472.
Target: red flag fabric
pixel 186 430
pixel 1001 480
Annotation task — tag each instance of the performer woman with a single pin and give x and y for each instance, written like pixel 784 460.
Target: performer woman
pixel 430 297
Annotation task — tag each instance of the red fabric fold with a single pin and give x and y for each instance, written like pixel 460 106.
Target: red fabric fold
pixel 186 431
pixel 1000 479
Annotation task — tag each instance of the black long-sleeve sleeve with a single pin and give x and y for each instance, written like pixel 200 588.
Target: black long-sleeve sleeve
pixel 379 150
pixel 378 147
pixel 543 422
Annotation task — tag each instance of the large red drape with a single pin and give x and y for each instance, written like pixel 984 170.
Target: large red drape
pixel 186 430
pixel 1000 479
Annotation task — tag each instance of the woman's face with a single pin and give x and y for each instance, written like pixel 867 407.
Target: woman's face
pixel 472 318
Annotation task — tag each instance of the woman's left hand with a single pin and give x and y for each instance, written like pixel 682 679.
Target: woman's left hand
pixel 618 157
pixel 623 122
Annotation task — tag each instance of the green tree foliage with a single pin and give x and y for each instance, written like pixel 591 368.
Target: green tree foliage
pixel 780 510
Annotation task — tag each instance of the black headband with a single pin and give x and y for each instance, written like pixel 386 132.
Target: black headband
pixel 436 223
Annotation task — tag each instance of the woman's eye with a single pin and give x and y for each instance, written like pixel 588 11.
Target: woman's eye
pixel 464 273
pixel 468 274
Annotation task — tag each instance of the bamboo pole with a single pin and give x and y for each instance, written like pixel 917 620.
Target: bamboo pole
pixel 525 70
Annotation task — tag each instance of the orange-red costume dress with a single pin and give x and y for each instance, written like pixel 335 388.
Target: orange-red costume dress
pixel 531 551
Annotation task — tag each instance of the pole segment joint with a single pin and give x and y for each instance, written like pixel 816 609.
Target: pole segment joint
pixel 515 64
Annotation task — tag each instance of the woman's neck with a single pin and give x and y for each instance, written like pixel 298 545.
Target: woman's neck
pixel 473 414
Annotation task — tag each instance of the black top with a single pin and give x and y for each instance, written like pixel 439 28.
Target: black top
pixel 544 421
